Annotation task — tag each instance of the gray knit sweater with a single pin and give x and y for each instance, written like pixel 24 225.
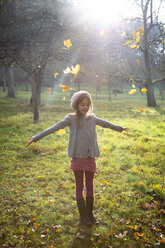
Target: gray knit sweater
pixel 82 141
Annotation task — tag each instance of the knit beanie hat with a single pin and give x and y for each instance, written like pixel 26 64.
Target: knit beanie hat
pixel 76 96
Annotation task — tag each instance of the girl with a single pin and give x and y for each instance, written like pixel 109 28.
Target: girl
pixel 82 148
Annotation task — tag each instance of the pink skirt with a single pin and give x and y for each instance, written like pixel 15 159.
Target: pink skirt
pixel 83 164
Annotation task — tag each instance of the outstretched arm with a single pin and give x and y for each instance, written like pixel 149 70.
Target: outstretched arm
pixel 59 125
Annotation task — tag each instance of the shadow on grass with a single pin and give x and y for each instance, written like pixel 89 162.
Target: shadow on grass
pixel 82 237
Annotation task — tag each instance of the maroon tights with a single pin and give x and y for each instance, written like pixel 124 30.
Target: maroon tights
pixel 79 179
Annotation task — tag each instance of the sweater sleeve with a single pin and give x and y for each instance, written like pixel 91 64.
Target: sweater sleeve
pixel 107 124
pixel 59 125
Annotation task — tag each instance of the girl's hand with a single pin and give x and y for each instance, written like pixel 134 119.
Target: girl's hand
pixel 126 129
pixel 30 141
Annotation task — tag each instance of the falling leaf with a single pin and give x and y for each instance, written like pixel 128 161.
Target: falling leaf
pixel 138 61
pixel 67 43
pixel 127 43
pixel 75 70
pixel 61 132
pixel 143 90
pixel 133 86
pixel 132 91
pixel 65 88
pixel 141 110
pixel 56 74
pixel 163 41
pixel 134 46
pixel 40 176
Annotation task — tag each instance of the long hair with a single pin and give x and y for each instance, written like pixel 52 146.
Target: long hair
pixel 78 114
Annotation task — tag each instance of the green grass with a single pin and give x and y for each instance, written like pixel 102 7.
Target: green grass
pixel 37 188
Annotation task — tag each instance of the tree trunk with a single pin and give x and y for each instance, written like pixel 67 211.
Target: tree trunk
pixel 150 93
pixel 4 86
pixel 36 94
pixel 109 90
pixel 8 75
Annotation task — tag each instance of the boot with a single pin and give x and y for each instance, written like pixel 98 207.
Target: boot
pixel 82 211
pixel 89 205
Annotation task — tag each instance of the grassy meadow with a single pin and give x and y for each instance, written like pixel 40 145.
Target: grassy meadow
pixel 37 188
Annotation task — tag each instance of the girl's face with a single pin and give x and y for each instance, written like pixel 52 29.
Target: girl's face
pixel 84 106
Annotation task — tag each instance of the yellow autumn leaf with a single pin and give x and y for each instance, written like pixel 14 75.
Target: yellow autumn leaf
pixel 105 149
pixel 40 176
pixel 49 202
pixel 132 91
pixel 102 105
pixel 136 41
pixel 163 41
pixel 138 61
pixel 141 110
pixel 104 182
pixel 143 90
pixel 141 183
pixel 133 86
pixel 67 43
pixel 65 88
pixel 157 186
pixel 75 70
pixel 134 227
pixel 61 132
pixel 127 43
pixel 140 234
pixel 56 74
pixel 134 46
